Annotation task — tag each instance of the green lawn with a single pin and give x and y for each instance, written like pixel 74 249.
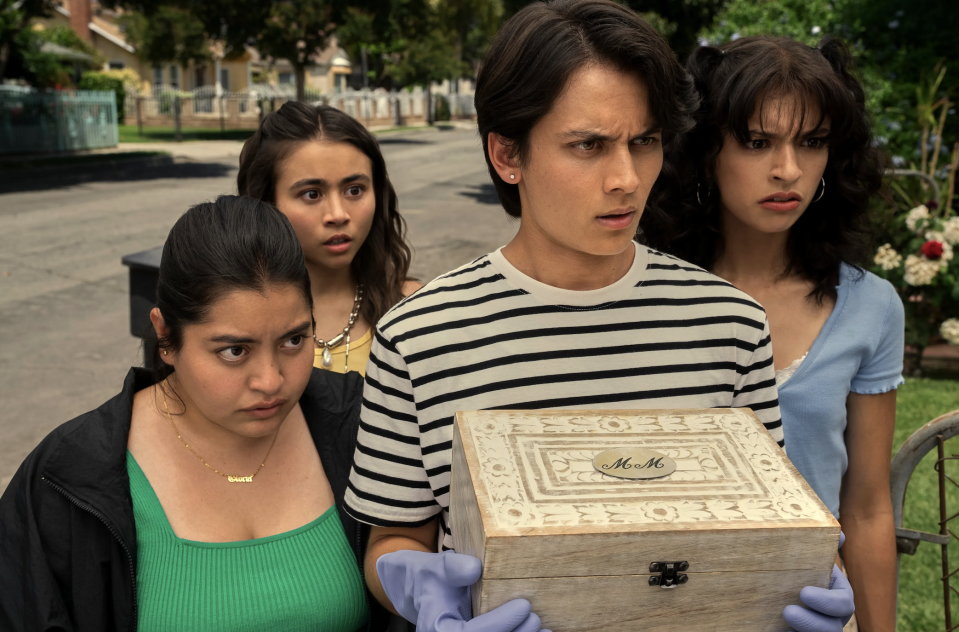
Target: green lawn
pixel 920 590
pixel 130 134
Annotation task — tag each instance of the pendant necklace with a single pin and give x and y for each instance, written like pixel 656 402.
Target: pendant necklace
pixel 230 477
pixel 344 335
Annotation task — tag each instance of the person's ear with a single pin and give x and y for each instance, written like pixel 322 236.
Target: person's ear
pixel 502 155
pixel 162 332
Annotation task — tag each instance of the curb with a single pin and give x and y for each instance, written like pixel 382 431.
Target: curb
pixel 81 172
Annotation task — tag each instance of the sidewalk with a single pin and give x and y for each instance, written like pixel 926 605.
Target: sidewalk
pixel 197 150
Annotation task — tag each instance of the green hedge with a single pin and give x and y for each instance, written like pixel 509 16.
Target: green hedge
pixel 105 83
pixel 442 108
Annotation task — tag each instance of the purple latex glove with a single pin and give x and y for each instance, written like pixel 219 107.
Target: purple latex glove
pixel 432 591
pixel 829 609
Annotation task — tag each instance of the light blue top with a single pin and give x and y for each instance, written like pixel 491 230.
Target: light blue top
pixel 859 349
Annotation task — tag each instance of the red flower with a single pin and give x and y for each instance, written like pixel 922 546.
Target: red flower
pixel 932 205
pixel 932 249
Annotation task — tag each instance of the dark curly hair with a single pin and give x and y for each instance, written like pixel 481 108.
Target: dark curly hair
pixel 383 261
pixel 734 81
pixel 530 60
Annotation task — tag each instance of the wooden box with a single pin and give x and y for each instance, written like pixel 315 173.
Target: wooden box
pixel 735 518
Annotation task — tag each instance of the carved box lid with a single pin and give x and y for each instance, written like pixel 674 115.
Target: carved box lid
pixel 531 473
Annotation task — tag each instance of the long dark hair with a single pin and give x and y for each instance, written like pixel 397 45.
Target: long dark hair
pixel 234 243
pixel 383 261
pixel 533 55
pixel 734 81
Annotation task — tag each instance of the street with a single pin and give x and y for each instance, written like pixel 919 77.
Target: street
pixel 65 343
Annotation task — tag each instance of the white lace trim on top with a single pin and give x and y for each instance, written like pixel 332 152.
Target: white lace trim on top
pixel 784 374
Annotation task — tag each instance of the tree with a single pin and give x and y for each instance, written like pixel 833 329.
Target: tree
pixel 385 29
pixel 15 16
pixel 472 24
pixel 33 60
pixel 282 29
pixel 170 34
pixel 410 41
pixel 425 60
pixel 296 30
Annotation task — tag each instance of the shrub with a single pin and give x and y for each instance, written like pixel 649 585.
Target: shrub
pixel 105 83
pixel 442 108
pixel 918 260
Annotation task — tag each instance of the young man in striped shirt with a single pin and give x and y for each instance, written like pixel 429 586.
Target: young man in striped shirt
pixel 574 102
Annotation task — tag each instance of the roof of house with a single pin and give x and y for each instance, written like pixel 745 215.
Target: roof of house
pixel 105 29
pixel 62 52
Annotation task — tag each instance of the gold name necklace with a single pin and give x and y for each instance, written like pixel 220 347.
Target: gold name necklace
pixel 229 477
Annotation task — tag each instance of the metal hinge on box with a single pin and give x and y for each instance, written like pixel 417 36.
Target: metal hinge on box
pixel 670 574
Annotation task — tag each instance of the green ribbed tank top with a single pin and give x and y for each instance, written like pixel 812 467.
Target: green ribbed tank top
pixel 304 579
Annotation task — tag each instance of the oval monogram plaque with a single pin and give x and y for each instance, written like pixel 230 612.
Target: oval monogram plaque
pixel 635 463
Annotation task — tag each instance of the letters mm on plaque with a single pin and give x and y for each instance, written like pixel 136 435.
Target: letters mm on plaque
pixel 578 544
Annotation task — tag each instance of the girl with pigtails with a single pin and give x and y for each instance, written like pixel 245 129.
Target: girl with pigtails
pixel 774 184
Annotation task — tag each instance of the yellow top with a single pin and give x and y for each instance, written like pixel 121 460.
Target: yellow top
pixel 359 354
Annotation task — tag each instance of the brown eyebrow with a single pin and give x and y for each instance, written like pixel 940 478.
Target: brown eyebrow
pixel 585 135
pixel 320 182
pixel 237 340
pixel 815 132
pixel 316 182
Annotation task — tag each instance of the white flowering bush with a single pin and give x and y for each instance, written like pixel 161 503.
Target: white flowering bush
pixel 918 259
pixel 949 330
pixel 950 230
pixel 887 258
pixel 917 216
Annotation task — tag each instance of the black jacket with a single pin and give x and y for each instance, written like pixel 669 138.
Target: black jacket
pixel 68 545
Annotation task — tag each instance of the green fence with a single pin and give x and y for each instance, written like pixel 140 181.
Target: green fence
pixel 34 122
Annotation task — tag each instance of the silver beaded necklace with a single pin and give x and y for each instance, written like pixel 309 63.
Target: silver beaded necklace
pixel 345 334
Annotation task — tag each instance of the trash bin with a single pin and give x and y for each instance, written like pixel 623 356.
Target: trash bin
pixel 144 275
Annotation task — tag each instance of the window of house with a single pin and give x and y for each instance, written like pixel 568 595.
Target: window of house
pixel 286 77
pixel 157 76
pixel 174 77
pixel 117 64
pixel 225 80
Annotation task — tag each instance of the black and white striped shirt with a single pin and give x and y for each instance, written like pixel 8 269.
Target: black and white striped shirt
pixel 486 336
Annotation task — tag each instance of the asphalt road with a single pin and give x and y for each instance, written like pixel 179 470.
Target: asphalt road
pixel 65 344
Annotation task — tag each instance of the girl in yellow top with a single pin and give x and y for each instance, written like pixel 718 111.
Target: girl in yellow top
pixel 326 173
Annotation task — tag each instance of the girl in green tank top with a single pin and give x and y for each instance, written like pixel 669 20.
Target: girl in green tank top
pixel 205 495
pixel 236 523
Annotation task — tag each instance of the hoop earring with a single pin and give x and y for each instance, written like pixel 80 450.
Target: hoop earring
pixel 822 193
pixel 698 199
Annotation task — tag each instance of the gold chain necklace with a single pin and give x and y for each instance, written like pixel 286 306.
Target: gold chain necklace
pixel 332 342
pixel 229 477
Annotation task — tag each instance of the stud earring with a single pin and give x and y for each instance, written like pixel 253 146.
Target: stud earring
pixel 164 353
pixel 512 176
